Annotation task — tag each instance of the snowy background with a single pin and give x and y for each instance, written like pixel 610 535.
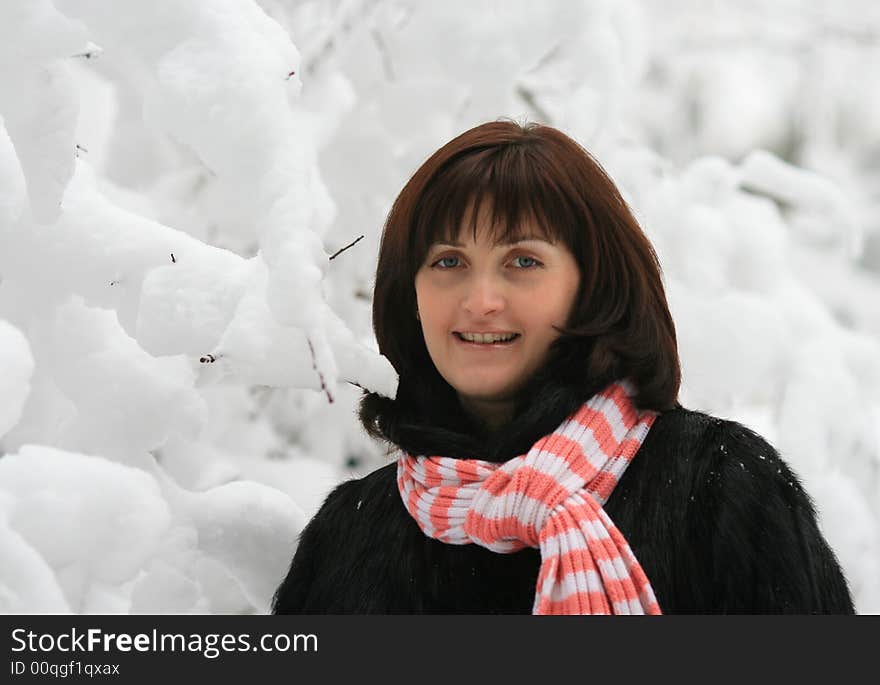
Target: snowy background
pixel 175 174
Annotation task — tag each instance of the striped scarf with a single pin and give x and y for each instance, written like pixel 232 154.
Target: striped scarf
pixel 550 498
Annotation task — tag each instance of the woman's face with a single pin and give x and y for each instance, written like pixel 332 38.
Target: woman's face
pixel 471 292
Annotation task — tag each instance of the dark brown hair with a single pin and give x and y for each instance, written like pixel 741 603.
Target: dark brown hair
pixel 620 325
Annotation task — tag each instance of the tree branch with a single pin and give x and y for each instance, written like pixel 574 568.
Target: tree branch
pixel 341 250
pixel 320 375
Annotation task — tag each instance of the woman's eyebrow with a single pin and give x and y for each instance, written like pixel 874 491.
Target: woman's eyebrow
pixel 525 239
pixel 508 241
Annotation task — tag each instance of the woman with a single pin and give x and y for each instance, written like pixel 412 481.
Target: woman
pixel 543 463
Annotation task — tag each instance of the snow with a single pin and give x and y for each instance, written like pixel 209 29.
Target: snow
pixel 79 510
pixel 16 369
pixel 118 538
pixel 250 529
pixel 39 102
pixel 27 582
pixel 742 328
pixel 765 173
pixel 100 365
pixel 174 177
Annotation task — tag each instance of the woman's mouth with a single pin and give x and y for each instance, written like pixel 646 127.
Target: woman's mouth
pixel 486 339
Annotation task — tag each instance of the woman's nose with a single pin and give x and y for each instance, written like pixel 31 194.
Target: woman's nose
pixel 484 296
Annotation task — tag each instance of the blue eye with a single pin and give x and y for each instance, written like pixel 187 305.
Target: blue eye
pixel 443 262
pixel 530 262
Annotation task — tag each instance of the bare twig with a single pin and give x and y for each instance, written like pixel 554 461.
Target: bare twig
pixel 383 50
pixel 528 97
pixel 320 375
pixel 335 254
pixel 349 16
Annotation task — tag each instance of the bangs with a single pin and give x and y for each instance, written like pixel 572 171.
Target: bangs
pixel 516 188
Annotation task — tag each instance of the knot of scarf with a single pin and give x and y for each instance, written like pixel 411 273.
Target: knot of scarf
pixel 550 498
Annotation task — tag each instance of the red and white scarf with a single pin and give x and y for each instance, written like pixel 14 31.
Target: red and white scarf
pixel 550 498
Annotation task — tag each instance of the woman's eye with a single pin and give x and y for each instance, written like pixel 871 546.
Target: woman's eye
pixel 446 262
pixel 525 262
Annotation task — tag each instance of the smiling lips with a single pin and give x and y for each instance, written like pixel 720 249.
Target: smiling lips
pixel 487 338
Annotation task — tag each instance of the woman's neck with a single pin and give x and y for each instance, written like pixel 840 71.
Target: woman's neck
pixel 494 414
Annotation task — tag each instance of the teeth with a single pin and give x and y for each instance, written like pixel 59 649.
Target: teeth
pixel 487 337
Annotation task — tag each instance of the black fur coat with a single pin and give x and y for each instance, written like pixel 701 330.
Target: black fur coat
pixel 716 519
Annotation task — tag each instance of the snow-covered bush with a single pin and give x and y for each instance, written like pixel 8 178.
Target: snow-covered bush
pixel 180 357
